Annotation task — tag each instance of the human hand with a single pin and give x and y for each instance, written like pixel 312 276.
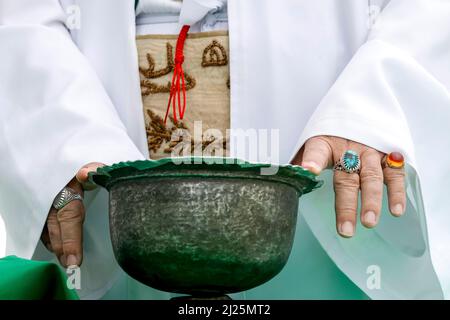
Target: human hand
pixel 323 152
pixel 63 231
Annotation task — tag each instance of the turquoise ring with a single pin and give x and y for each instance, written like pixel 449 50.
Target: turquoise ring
pixel 349 162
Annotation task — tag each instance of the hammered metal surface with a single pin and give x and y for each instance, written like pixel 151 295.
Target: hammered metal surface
pixel 202 235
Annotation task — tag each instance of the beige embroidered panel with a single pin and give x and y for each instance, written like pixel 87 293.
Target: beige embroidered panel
pixel 206 68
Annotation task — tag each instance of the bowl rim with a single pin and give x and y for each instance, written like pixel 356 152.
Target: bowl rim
pixel 303 180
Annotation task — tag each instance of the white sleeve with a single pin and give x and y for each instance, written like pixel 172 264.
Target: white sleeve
pixel 55 117
pixel 394 96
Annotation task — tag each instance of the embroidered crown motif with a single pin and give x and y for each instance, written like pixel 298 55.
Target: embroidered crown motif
pixel 214 55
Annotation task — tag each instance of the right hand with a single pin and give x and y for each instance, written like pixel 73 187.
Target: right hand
pixel 63 231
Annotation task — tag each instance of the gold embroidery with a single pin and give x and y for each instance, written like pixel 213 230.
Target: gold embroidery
pixel 152 88
pixel 150 72
pixel 206 144
pixel 148 87
pixel 217 55
pixel 208 101
pixel 158 134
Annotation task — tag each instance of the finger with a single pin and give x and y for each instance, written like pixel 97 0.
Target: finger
pixel 317 155
pixel 54 233
pixel 346 188
pixel 371 180
pixel 82 175
pixel 395 182
pixel 71 219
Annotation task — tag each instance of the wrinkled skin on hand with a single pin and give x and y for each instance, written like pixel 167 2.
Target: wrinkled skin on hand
pixel 323 152
pixel 63 231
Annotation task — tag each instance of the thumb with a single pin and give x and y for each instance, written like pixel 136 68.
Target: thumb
pixel 82 175
pixel 317 155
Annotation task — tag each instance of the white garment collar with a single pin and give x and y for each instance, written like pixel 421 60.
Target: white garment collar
pixel 193 11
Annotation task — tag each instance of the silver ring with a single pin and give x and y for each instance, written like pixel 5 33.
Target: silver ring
pixel 66 196
pixel 349 162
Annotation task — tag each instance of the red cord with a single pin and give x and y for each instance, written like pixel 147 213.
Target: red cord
pixel 178 81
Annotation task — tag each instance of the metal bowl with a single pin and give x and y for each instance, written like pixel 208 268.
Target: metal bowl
pixel 202 229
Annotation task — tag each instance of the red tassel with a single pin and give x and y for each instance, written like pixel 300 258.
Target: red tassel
pixel 178 81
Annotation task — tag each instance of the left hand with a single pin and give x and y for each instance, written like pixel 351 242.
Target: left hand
pixel 322 152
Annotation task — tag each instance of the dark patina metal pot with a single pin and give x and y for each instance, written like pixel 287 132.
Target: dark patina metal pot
pixel 202 229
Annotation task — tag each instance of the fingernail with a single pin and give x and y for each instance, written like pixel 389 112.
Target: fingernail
pixel 62 260
pixel 312 166
pixel 370 219
pixel 72 260
pixel 397 210
pixel 346 229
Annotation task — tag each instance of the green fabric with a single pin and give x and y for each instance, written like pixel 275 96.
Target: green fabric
pixel 22 279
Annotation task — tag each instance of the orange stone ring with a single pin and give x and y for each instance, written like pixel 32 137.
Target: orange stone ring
pixel 393 160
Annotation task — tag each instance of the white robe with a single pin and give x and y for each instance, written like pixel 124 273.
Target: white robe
pixel 305 68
